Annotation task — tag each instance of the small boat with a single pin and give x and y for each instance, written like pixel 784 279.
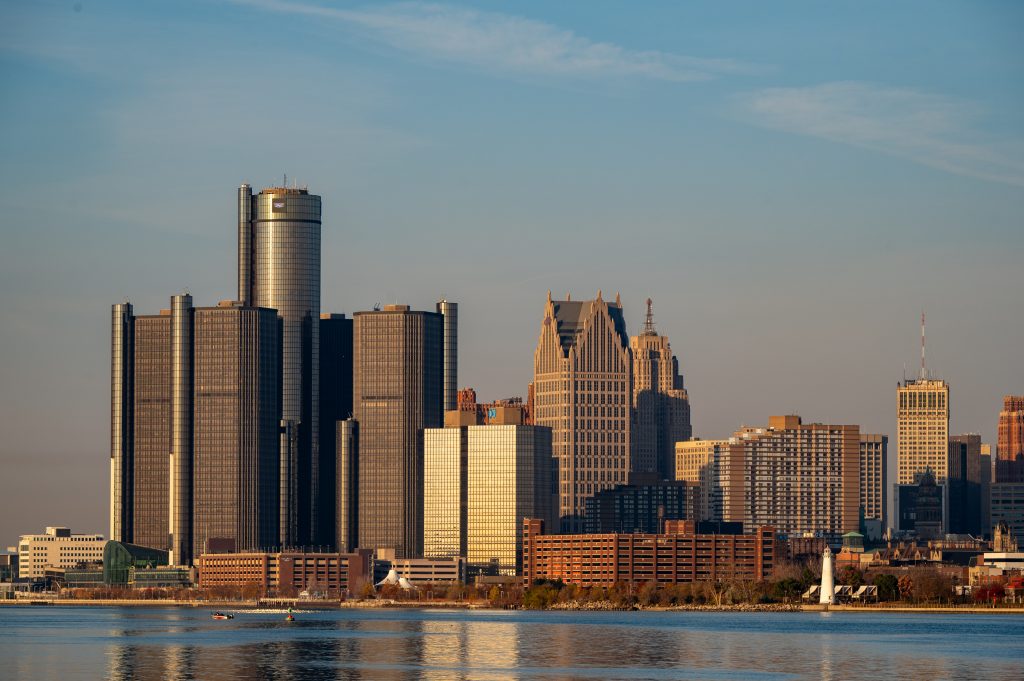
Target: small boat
pixel 223 616
pixel 289 618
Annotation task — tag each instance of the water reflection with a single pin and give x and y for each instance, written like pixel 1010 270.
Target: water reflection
pixel 403 645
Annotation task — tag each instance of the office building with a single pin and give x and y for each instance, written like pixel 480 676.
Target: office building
pixel 644 505
pixel 1011 428
pixel 923 429
pixel 235 435
pixel 346 523
pixel 701 464
pixel 122 381
pixel 287 574
pixel 507 411
pixel 449 312
pixel 445 454
pixel 678 555
pixel 965 483
pixel 873 465
pixel 799 478
pixel 582 391
pixel 510 477
pixel 335 406
pixel 397 392
pixel 661 405
pixel 922 507
pixel 419 571
pixel 181 469
pixel 150 397
pixel 56 548
pixel 1008 506
pixel 279 268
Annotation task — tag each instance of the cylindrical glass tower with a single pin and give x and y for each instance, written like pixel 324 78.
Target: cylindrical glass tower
pixel 181 430
pixel 450 312
pixel 284 274
pixel 122 347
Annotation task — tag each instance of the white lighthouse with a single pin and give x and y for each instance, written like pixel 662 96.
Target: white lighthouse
pixel 827 583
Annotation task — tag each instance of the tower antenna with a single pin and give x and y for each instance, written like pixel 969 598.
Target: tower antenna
pixel 649 320
pixel 924 371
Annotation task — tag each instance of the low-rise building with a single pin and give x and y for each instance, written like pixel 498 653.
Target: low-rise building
pixel 679 555
pixel 286 574
pixel 56 548
pixel 421 570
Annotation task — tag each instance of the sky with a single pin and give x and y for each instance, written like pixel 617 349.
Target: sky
pixel 792 183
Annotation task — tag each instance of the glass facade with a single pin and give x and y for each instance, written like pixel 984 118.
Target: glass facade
pixel 335 406
pixel 237 392
pixel 509 479
pixel 121 450
pixel 280 269
pixel 450 312
pixel 346 522
pixel 397 392
pixel 180 495
pixel 444 492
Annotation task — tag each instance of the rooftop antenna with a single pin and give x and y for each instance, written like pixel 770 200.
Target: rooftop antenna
pixel 924 372
pixel 285 185
pixel 649 321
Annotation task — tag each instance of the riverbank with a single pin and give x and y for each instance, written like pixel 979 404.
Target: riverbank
pixel 570 606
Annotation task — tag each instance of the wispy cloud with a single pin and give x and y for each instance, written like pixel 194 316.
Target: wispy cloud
pixel 508 43
pixel 929 129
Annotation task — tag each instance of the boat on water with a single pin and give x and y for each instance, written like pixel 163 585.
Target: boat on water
pixel 289 618
pixel 223 616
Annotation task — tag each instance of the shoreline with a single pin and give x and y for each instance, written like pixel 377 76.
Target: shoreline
pixel 443 605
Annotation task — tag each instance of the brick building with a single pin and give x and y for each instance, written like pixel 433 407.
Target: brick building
pixel 285 574
pixel 679 555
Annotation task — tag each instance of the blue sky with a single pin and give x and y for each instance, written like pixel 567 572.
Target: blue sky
pixel 791 182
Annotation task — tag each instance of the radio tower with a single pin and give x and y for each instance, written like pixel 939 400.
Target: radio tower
pixel 649 320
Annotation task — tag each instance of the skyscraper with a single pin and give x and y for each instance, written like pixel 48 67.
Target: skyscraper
pixel 661 406
pixel 1011 428
pixel 397 391
pixel 346 521
pixel 335 406
pixel 450 313
pixel 922 429
pixel 122 382
pixel 873 465
pixel 235 441
pixel 180 492
pixel 582 382
pixel 445 454
pixel 965 484
pixel 703 464
pixel 279 268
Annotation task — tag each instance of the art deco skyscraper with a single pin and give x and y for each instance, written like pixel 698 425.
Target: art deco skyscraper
pixel 922 430
pixel 582 381
pixel 661 406
pixel 235 442
pixel 397 391
pixel 279 268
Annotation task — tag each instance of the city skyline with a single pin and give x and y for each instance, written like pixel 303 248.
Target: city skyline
pixel 654 184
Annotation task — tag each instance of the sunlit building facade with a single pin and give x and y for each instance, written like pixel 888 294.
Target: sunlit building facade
pixel 873 464
pixel 922 430
pixel 445 452
pixel 701 463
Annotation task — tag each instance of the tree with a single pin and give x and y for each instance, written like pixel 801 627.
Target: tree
pixel 906 587
pixel 647 593
pixel 888 587
pixel 851 576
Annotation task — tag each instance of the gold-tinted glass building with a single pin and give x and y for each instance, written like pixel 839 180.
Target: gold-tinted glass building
pixel 509 479
pixel 397 392
pixel 922 408
pixel 661 405
pixel 582 383
pixel 445 451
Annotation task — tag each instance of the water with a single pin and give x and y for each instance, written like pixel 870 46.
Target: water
pixel 66 643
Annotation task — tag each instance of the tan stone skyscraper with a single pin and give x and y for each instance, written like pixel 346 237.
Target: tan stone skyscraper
pixel 582 378
pixel 661 407
pixel 923 429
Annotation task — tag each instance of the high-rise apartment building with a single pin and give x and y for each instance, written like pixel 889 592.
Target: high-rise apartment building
pixel 335 406
pixel 873 464
pixel 922 429
pixel 279 268
pixel 799 478
pixel 235 433
pixel 701 463
pixel 582 390
pixel 1011 428
pixel 661 406
pixel 397 391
